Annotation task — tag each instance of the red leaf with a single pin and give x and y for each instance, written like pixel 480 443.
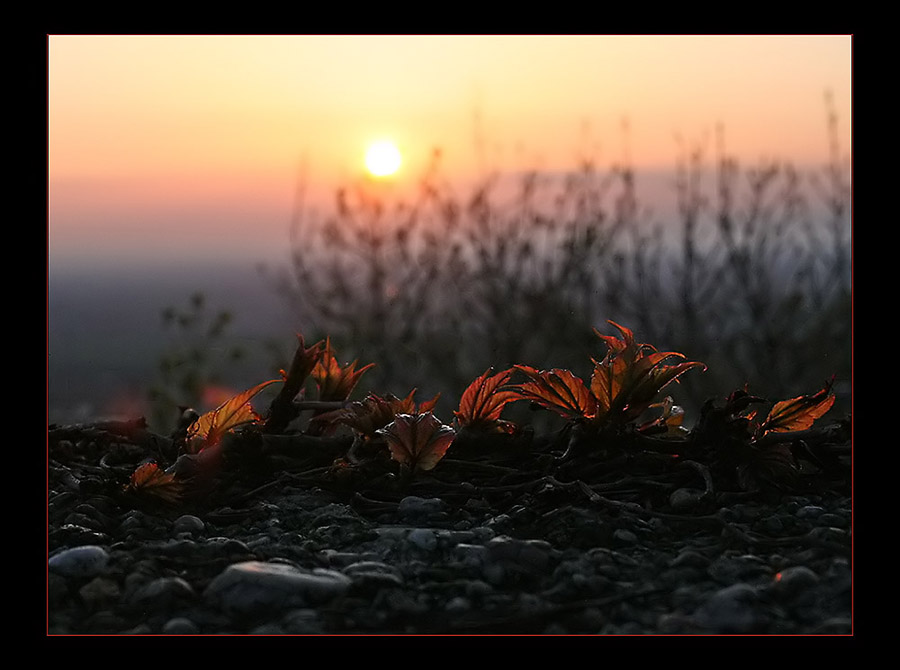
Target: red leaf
pixel 209 428
pixel 336 382
pixel 558 390
pixel 798 413
pixel 482 402
pixel 418 441
pixel 148 479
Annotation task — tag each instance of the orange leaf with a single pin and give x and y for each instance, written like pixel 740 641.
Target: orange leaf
pixel 418 441
pixel 629 377
pixel 482 402
pixel 209 428
pixel 557 390
pixel 606 382
pixel 798 413
pixel 148 479
pixel 336 382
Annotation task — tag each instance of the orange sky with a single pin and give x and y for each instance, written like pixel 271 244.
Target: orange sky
pixel 152 131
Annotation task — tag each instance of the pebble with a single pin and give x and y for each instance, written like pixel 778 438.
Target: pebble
pixel 422 538
pixel 99 592
pixel 507 557
pixel 689 558
pixel 414 508
pixel 303 621
pixel 810 512
pixel 190 524
pixel 253 587
pixel 77 562
pixel 684 499
pixel 730 569
pixel 732 609
pixel 163 593
pixel 180 626
pixel 371 576
pixel 792 581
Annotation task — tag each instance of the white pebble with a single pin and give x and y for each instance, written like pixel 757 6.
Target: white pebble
pixel 86 561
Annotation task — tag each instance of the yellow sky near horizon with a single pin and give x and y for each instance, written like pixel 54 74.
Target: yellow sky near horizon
pixel 156 121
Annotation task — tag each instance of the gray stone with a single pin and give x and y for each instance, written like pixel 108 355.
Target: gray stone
pixel 86 561
pixel 414 508
pixel 624 536
pixel 809 512
pixel 422 538
pixel 733 609
pixel 188 523
pixel 302 622
pixel 252 587
pixel 794 580
pixel 180 626
pixel 99 592
pixel 163 592
pixel 684 499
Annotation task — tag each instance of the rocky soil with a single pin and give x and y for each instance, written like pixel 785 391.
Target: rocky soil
pixel 290 540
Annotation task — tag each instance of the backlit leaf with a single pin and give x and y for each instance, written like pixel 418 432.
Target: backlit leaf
pixel 209 428
pixel 798 413
pixel 630 376
pixel 418 441
pixel 559 391
pixel 148 479
pixel 336 382
pixel 606 382
pixel 483 401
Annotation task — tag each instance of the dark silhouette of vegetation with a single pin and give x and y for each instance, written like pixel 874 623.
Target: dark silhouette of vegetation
pixel 754 278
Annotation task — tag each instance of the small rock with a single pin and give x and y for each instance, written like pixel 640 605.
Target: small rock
pixel 809 512
pixel 793 581
pixel 268 629
pixel 86 561
pixel 685 499
pixel 372 576
pixel 180 626
pixel 732 609
pixel 163 593
pixel 188 523
pixel 99 591
pixel 458 605
pixel 731 569
pixel 689 558
pixel 253 587
pixel 302 621
pixel 624 536
pixel 422 538
pixel 414 508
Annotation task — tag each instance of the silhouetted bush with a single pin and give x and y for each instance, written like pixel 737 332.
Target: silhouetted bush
pixel 753 278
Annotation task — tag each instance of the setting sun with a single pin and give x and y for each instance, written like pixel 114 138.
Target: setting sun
pixel 383 158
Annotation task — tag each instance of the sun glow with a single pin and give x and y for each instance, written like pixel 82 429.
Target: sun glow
pixel 383 158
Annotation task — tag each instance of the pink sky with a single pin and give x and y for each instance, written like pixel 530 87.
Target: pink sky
pixel 170 142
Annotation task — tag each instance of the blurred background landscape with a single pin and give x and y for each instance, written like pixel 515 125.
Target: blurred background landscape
pixel 208 200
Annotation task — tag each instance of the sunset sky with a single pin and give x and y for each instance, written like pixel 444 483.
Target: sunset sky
pixel 167 143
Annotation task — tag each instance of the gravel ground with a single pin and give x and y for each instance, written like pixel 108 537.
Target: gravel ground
pixel 470 548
